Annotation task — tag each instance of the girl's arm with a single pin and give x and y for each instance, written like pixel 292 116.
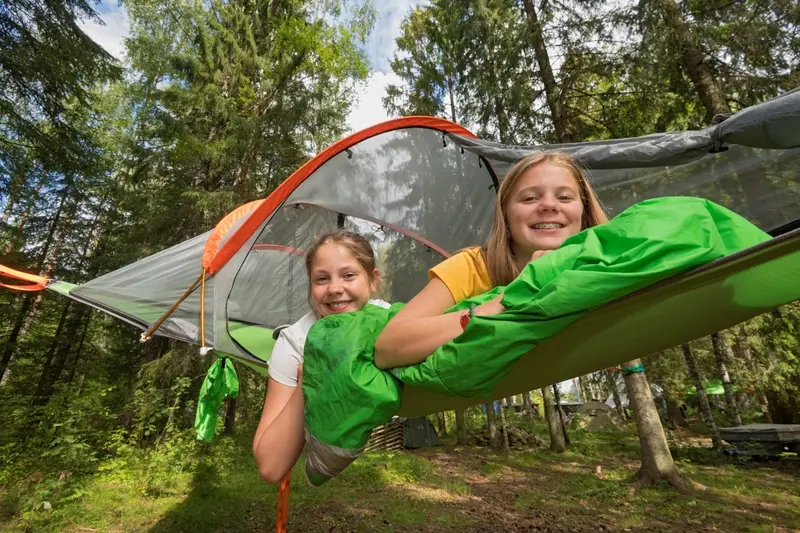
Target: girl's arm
pixel 279 438
pixel 421 327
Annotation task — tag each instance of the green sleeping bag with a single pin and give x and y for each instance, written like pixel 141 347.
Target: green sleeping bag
pixel 347 396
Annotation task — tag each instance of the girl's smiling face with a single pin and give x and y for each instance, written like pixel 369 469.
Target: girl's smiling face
pixel 543 210
pixel 339 284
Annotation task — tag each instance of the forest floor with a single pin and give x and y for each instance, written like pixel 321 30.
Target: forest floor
pixel 439 489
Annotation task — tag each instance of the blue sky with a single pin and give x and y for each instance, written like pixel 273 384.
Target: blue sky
pixel 380 49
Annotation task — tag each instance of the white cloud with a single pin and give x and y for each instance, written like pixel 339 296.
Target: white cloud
pixel 381 45
pixel 110 36
pixel 369 111
pixel 380 49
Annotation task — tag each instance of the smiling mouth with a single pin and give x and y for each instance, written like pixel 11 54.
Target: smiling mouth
pixel 338 306
pixel 547 226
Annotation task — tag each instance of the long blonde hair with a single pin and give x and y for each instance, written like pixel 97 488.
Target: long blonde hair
pixel 499 252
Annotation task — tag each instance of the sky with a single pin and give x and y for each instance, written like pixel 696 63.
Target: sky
pixel 380 49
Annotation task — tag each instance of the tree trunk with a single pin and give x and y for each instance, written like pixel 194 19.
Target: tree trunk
pixel 230 416
pixel 554 102
pixel 561 418
pixel 781 411
pixel 461 428
pixel 74 365
pixel 611 379
pixel 657 462
pixel 11 343
pixel 675 415
pixel 451 92
pixel 441 423
pixel 491 421
pixel 52 375
pixel 504 427
pixel 722 351
pixel 693 60
pixel 527 405
pixel 705 408
pixel 44 266
pixel 764 405
pixel 556 436
pixel 743 348
pixel 51 353
pixel 579 390
pixel 13 191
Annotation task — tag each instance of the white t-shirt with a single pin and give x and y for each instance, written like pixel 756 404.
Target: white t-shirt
pixel 287 354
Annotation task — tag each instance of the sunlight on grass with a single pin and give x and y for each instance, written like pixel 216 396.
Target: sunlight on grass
pixel 528 500
pixel 763 528
pixel 491 468
pixel 456 487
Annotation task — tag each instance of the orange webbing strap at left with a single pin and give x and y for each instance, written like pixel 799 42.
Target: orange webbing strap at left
pixel 23 288
pixel 283 504
pixel 39 283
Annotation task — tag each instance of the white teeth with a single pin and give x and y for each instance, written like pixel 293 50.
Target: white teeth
pixel 552 225
pixel 338 305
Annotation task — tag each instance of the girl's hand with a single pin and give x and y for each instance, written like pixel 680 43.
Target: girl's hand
pixel 539 253
pixel 492 307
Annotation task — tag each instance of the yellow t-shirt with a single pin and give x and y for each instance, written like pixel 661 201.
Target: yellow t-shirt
pixel 465 274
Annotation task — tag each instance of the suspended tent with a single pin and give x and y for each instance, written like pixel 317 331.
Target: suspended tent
pixel 421 188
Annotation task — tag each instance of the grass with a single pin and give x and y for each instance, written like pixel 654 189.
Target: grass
pixel 437 490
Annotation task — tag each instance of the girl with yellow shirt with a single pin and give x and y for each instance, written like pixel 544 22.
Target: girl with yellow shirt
pixel 543 200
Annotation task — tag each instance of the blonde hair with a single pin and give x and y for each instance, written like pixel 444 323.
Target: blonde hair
pixel 499 252
pixel 356 244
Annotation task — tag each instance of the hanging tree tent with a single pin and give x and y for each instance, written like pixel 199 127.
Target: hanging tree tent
pixel 421 188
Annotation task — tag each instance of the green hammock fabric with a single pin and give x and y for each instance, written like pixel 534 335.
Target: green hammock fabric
pixel 221 382
pixel 347 396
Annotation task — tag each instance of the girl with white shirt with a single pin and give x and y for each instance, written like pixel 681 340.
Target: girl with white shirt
pixel 342 276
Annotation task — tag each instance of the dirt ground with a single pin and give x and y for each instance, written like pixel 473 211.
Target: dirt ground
pixel 479 491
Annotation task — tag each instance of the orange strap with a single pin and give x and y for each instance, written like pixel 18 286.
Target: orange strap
pixel 40 282
pixel 24 288
pixel 283 504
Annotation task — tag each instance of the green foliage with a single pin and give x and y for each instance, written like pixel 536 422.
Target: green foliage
pixel 470 62
pixel 48 68
pixel 766 361
pixel 220 102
